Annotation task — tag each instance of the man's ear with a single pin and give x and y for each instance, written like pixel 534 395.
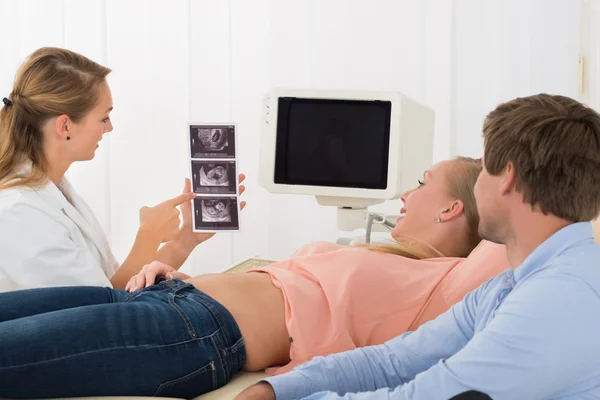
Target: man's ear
pixel 454 211
pixel 509 179
pixel 63 125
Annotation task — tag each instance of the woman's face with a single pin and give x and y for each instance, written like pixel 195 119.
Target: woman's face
pixel 88 132
pixel 425 203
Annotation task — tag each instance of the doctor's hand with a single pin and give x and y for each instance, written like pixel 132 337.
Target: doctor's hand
pixel 162 221
pixel 186 233
pixel 148 274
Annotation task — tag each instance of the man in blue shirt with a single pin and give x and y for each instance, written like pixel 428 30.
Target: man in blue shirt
pixel 531 332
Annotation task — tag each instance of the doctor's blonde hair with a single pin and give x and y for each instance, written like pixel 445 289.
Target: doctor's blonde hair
pixel 51 82
pixel 461 179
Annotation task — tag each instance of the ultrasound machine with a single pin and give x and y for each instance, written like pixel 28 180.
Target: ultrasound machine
pixel 349 149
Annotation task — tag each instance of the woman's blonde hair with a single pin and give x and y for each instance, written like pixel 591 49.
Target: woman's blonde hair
pixel 50 83
pixel 461 183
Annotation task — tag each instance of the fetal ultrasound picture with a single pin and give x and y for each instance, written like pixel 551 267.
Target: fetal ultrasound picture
pixel 214 177
pixel 216 213
pixel 216 210
pixel 212 141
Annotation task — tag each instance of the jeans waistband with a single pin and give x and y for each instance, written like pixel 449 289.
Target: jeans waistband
pixel 233 342
pixel 174 285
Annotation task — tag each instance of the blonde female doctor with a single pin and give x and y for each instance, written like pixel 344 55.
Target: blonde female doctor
pixel 55 115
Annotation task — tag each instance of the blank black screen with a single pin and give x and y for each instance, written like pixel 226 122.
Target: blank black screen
pixel 343 143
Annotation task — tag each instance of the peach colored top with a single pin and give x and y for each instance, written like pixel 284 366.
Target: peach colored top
pixel 485 261
pixel 339 298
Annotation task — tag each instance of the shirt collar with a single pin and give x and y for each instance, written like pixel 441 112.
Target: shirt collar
pixel 553 246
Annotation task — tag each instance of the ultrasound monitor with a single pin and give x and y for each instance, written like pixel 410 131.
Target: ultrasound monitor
pixel 349 149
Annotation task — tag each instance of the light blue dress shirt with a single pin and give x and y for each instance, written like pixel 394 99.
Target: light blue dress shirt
pixel 529 333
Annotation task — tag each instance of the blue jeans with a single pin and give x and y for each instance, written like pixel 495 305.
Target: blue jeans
pixel 168 340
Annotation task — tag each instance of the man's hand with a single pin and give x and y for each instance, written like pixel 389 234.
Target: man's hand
pixel 259 391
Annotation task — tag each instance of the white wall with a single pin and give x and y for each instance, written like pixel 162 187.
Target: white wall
pixel 590 51
pixel 510 48
pixel 212 60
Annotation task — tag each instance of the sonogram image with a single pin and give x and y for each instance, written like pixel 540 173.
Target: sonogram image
pixel 209 141
pixel 216 213
pixel 214 175
pixel 216 210
pixel 213 139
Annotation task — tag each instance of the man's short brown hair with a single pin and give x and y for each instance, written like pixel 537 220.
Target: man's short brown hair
pixel 554 144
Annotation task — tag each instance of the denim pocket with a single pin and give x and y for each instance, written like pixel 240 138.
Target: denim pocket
pixel 201 381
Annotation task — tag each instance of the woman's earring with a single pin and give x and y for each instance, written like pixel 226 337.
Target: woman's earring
pixel 69 138
pixel 438 219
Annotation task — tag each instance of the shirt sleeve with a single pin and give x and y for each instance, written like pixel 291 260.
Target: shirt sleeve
pixel 541 343
pixel 386 366
pixel 40 253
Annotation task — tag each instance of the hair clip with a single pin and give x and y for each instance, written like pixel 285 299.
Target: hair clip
pixel 7 102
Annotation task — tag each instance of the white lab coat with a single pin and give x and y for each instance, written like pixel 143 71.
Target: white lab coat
pixel 47 240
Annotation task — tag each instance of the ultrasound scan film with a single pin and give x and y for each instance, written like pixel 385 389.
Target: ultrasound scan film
pixel 214 177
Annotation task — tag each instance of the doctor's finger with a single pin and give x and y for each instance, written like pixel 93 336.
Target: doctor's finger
pixel 187 186
pixel 186 207
pixel 186 216
pixel 182 198
pixel 241 178
pixel 174 222
pixel 173 214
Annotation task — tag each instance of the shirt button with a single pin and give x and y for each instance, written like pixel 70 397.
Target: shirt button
pixel 291 339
